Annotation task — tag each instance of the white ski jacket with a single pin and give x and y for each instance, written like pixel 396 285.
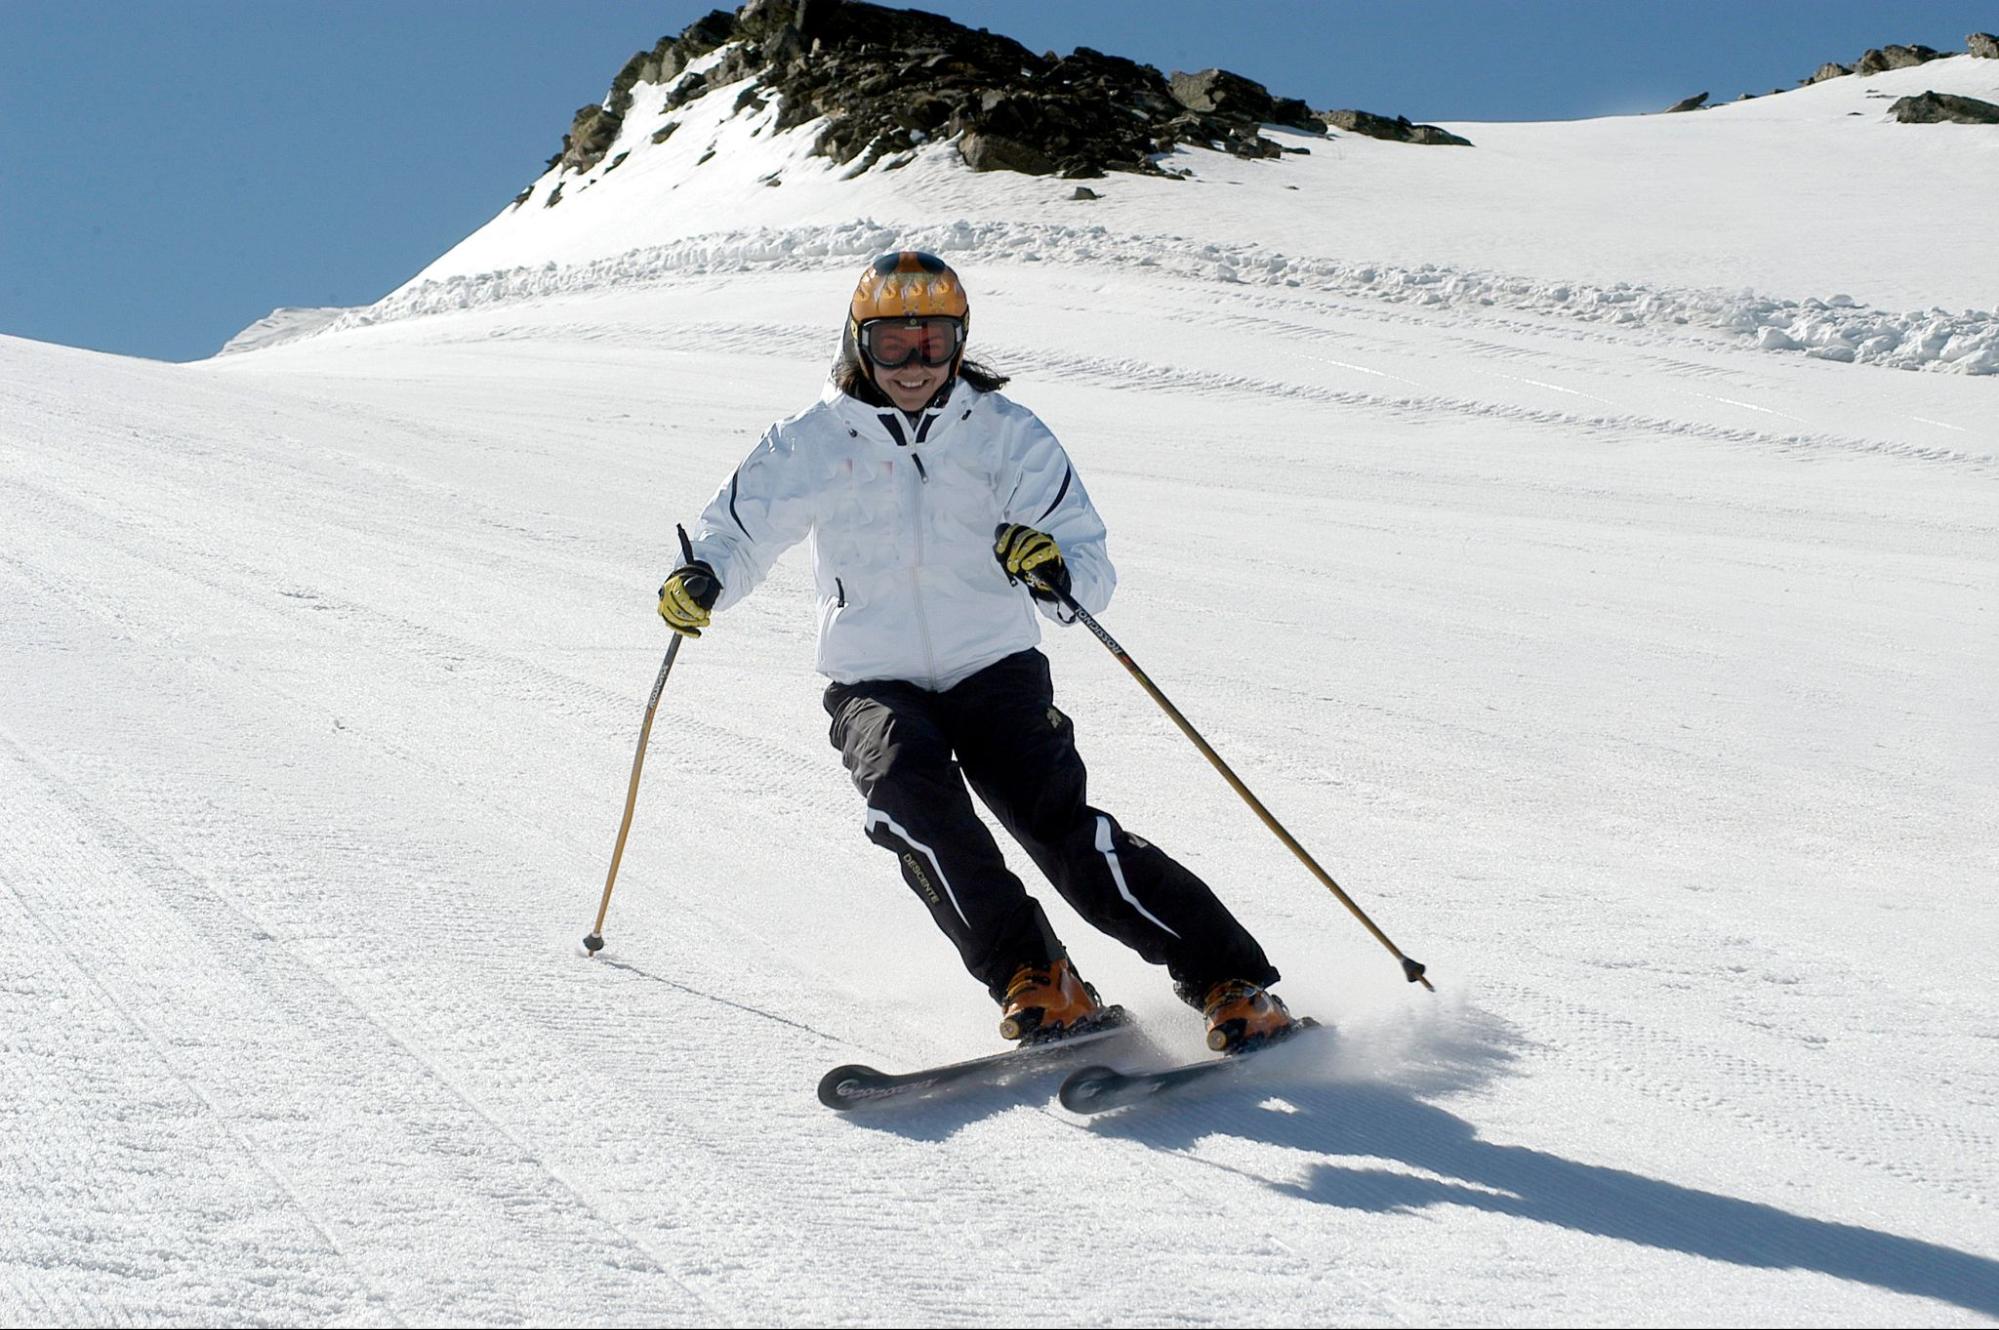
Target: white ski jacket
pixel 902 518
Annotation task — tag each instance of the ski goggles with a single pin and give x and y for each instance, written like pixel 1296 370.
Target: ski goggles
pixel 893 343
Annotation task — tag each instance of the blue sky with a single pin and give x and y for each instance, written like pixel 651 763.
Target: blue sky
pixel 174 172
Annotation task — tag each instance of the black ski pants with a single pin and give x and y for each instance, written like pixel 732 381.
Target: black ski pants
pixel 912 752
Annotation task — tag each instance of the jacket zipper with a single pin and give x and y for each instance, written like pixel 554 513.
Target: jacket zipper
pixel 916 572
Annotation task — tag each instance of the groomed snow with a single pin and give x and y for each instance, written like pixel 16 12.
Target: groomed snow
pixel 1635 678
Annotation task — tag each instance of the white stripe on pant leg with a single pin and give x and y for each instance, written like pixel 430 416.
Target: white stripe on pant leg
pixel 876 815
pixel 1117 874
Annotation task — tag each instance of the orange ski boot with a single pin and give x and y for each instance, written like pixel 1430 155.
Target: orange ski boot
pixel 1242 1016
pixel 1047 1004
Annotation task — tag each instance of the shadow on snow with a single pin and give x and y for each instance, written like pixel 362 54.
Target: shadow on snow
pixel 1369 1119
pixel 1386 1123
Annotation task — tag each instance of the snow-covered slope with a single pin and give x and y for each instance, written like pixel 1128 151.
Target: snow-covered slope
pixel 1808 194
pixel 1636 679
pixel 1806 223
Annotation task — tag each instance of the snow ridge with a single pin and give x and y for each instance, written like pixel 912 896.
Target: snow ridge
pixel 1836 328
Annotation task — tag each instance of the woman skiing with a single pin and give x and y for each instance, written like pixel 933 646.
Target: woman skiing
pixel 941 514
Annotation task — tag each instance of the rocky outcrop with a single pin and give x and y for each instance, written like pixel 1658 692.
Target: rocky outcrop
pixel 1883 59
pixel 995 152
pixel 1932 108
pixel 1398 130
pixel 595 128
pixel 889 79
pixel 1223 93
pixel 1693 103
pixel 590 136
pixel 885 81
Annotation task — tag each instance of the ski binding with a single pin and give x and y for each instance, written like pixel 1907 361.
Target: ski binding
pixel 1098 1089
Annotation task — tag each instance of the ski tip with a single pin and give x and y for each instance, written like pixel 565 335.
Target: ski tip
pixel 841 1088
pixel 1085 1086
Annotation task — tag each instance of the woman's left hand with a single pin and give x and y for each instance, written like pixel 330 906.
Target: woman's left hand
pixel 1032 556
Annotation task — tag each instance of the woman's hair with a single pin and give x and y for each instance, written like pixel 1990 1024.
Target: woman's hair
pixel 851 378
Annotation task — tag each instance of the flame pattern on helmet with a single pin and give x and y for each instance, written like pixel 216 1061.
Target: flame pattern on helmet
pixel 908 284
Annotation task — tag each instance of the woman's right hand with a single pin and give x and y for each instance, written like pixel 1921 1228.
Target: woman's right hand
pixel 686 597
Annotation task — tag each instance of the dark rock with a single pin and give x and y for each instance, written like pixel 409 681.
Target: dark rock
pixel 1084 192
pixel 1433 137
pixel 669 56
pixel 993 152
pixel 888 80
pixel 1931 108
pixel 737 63
pixel 1828 70
pixel 590 136
pixel 1894 57
pixel 1232 95
pixel 1693 103
pixel 1983 45
pixel 1292 113
pixel 785 50
pixel 1398 130
pixel 596 127
pixel 706 33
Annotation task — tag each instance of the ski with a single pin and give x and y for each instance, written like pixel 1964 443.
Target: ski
pixel 847 1088
pixel 1099 1089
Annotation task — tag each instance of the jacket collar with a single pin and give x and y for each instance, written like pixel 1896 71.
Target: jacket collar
pixel 896 429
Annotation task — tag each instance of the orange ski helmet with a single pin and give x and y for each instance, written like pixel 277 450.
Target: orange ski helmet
pixel 908 284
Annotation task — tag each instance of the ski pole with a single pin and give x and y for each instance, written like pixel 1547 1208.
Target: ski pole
pixel 593 941
pixel 1413 970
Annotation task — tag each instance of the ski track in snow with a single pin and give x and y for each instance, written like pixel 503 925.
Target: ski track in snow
pixel 1137 375
pixel 331 657
pixel 289 997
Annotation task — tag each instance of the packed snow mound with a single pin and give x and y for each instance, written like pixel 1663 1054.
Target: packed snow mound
pixel 283 324
pixel 1833 328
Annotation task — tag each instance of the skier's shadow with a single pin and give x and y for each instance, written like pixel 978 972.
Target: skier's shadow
pixel 1375 1121
pixel 939 1119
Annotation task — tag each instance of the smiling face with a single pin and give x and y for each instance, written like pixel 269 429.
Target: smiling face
pixel 911 358
pixel 912 386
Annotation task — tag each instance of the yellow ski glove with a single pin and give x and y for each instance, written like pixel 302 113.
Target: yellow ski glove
pixel 1021 550
pixel 687 596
